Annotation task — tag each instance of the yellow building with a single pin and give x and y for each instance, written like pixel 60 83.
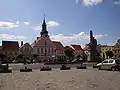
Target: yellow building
pixel 117 49
pixel 105 48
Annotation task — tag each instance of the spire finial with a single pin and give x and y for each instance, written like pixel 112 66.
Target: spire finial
pixel 44 16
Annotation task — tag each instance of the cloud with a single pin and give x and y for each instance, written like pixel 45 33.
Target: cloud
pixel 89 2
pixel 11 37
pixel 75 37
pixel 8 24
pixel 117 2
pixel 52 24
pixel 17 22
pixel 49 24
pixel 38 28
pixel 26 23
pixel 100 36
pixel 110 44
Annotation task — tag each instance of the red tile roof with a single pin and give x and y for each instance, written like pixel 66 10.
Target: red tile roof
pixel 10 46
pixel 67 47
pixel 76 47
pixel 58 45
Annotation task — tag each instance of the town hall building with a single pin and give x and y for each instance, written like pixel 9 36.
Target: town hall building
pixel 43 46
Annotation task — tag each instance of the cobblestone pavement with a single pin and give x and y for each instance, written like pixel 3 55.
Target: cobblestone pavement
pixel 89 79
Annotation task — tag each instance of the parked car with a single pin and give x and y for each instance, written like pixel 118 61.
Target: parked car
pixel 109 64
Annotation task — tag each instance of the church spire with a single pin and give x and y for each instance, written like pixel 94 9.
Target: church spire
pixel 44 31
pixel 44 23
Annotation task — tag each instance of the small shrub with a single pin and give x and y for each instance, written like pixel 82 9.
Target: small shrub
pixel 64 68
pixel 81 67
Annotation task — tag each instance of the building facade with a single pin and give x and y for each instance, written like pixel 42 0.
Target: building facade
pixel 78 51
pixel 59 51
pixel 116 49
pixel 10 49
pixel 26 50
pixel 87 51
pixel 104 49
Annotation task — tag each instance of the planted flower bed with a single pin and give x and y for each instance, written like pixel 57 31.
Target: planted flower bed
pixel 82 67
pixel 47 68
pixel 26 70
pixel 4 69
pixel 63 67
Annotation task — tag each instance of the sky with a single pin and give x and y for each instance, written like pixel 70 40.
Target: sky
pixel 68 21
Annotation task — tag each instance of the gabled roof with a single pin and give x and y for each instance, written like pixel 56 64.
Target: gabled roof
pixel 10 45
pixel 76 47
pixel 58 45
pixel 36 41
pixel 25 45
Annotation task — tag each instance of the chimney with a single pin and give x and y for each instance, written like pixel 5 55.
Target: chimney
pixel 21 43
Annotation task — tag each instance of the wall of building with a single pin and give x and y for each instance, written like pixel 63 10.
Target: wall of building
pixel 44 48
pixel 117 49
pixel 104 49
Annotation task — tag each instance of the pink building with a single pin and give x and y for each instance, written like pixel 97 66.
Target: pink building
pixel 43 46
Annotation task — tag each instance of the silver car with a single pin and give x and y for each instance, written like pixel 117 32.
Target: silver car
pixel 109 64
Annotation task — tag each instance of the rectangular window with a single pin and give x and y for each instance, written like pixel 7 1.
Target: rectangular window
pixel 41 50
pixel 38 51
pixel 52 50
pixel 45 50
pixel 49 50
